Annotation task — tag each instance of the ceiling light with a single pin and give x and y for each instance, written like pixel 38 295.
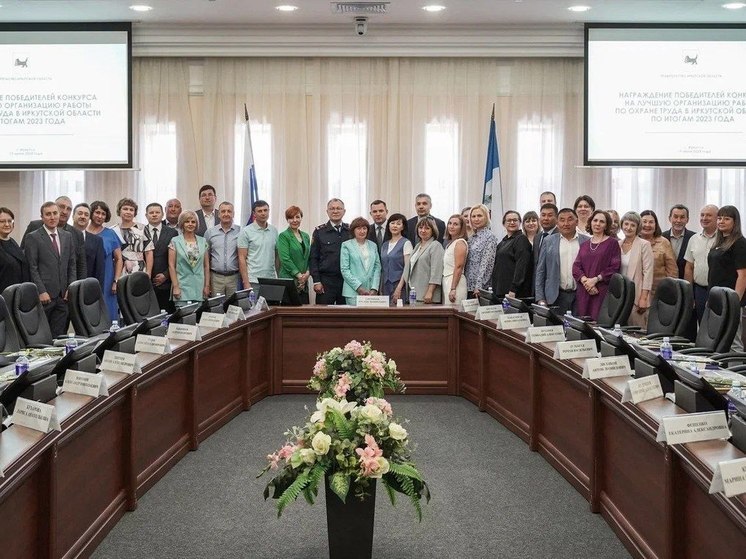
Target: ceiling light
pixel 433 8
pixel 579 8
pixel 141 8
pixel 286 8
pixel 734 5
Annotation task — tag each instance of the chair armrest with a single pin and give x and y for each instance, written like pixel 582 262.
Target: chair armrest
pixel 632 329
pixel 696 351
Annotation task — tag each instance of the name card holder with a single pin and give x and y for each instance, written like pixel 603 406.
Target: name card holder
pixel 729 477
pixel 87 384
pixel 489 312
pixel 152 344
pixel 118 362
pixel 540 334
pixel 184 332
pixel 642 389
pixel 259 306
pixel 470 305
pixel 212 320
pixel 372 301
pixel 576 349
pixel 234 313
pixel 513 321
pixel 605 367
pixel 693 427
pixel 36 416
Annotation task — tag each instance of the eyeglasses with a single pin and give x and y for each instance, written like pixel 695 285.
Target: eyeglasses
pixel 512 220
pixel 6 222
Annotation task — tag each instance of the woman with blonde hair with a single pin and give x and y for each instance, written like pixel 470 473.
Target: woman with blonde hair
pixel 454 260
pixel 637 265
pixel 188 262
pixel 482 249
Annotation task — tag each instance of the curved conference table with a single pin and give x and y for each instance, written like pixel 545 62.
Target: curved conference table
pixel 63 491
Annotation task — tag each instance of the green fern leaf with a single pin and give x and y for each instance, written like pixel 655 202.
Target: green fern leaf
pixel 390 490
pixel 344 427
pixel 405 470
pixel 340 484
pixel 292 492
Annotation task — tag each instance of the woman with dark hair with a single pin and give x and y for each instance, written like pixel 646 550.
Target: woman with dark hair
pixel 395 253
pixel 13 265
pixel 454 259
pixel 727 260
pixel 637 265
pixel 584 206
pixel 664 260
pixel 426 263
pixel 616 223
pixel 513 273
pixel 294 250
pixel 597 260
pixel 359 263
pixel 530 225
pixel 100 214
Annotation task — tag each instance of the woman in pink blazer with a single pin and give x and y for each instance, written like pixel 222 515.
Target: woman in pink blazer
pixel 637 265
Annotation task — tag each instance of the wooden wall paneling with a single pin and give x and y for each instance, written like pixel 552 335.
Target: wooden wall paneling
pixel 277 356
pixel 26 525
pixel 469 359
pixel 260 371
pixel 453 355
pixel 246 362
pixel 533 423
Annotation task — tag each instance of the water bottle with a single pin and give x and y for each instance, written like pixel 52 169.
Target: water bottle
pixel 618 330
pixel 114 327
pixel 735 393
pixel 252 298
pixel 164 322
pixel 565 322
pixel 21 365
pixel 506 305
pixel 666 349
pixel 412 296
pixel 70 344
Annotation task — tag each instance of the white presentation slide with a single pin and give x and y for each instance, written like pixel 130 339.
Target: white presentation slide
pixel 666 96
pixel 64 98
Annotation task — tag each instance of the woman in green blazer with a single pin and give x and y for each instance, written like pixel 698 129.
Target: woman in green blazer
pixel 294 248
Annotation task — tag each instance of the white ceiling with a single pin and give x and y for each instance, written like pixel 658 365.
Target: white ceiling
pixel 212 13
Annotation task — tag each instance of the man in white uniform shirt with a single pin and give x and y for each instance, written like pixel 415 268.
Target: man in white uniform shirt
pixel 696 268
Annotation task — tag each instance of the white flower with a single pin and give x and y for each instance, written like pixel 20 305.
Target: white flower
pixel 331 404
pixel 397 432
pixel 383 468
pixel 321 443
pixel 308 455
pixel 371 413
pixel 392 365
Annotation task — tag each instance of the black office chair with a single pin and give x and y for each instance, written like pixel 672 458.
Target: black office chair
pixel 8 335
pixel 27 314
pixel 136 297
pixel 718 326
pixel 617 304
pixel 671 310
pixel 88 312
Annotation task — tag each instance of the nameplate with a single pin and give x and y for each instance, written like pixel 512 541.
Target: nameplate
pixel 489 312
pixel 212 320
pixel 87 384
pixel 643 389
pixel 184 332
pixel 470 305
pixel 36 416
pixel 693 427
pixel 373 301
pixel 152 344
pixel 730 477
pixel 575 350
pixel 513 321
pixel 118 362
pixel 539 334
pixel 605 367
pixel 234 314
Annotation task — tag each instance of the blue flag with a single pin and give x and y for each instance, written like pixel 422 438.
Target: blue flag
pixel 250 186
pixel 492 195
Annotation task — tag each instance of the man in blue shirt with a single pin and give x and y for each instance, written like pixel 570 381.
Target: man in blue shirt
pixel 223 241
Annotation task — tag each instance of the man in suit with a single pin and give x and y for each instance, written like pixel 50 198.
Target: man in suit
pixel 679 235
pixel 206 215
pixel 377 230
pixel 547 197
pixel 422 206
pixel 173 211
pixel 548 223
pixel 51 258
pixel 94 245
pixel 553 281
pixel 65 209
pixel 160 235
pixel 326 244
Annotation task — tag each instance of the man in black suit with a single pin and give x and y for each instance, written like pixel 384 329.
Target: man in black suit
pixel 377 230
pixel 51 258
pixel 206 215
pixel 160 235
pixel 679 235
pixel 173 211
pixel 65 207
pixel 422 205
pixel 326 245
pixel 94 245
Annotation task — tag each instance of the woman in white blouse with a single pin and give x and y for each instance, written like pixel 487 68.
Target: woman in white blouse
pixel 454 260
pixel 359 263
pixel 637 265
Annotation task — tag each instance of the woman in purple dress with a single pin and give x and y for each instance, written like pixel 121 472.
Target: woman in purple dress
pixel 597 261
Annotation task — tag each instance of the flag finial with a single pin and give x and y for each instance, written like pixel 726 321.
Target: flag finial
pixel 246 112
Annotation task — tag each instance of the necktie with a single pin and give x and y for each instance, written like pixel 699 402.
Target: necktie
pixel 338 229
pixel 155 235
pixel 379 235
pixel 54 243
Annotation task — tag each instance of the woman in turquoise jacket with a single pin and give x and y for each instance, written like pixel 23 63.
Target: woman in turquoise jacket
pixel 359 263
pixel 294 248
pixel 188 263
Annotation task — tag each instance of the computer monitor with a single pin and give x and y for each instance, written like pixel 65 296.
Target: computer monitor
pixel 81 358
pixel 39 369
pixel 619 344
pixel 186 314
pixel 545 316
pixel 698 383
pixel 279 291
pixel 116 340
pixel 148 324
pixel 516 305
pixel 239 299
pixel 581 330
pixel 653 363
pixel 212 305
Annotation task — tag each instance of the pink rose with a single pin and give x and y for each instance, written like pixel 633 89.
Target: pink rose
pixel 355 347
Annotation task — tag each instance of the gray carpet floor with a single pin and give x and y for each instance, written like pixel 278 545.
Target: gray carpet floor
pixel 492 497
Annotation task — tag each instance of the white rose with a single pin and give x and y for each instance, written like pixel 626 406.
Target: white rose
pixel 392 364
pixel 383 467
pixel 397 432
pixel 308 456
pixel 371 413
pixel 321 443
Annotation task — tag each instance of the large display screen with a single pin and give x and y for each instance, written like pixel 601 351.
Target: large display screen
pixel 65 95
pixel 665 95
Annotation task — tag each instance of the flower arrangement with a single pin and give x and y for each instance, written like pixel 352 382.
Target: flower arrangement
pixel 356 372
pixel 352 439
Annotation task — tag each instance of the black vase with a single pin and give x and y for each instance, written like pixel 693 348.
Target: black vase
pixel 350 524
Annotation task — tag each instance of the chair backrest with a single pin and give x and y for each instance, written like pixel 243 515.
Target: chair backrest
pixel 720 320
pixel 617 304
pixel 27 314
pixel 8 334
pixel 668 307
pixel 136 297
pixel 88 311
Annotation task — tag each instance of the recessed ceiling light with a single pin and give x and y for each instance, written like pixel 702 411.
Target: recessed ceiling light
pixel 141 8
pixel 579 8
pixel 286 8
pixel 734 5
pixel 433 8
